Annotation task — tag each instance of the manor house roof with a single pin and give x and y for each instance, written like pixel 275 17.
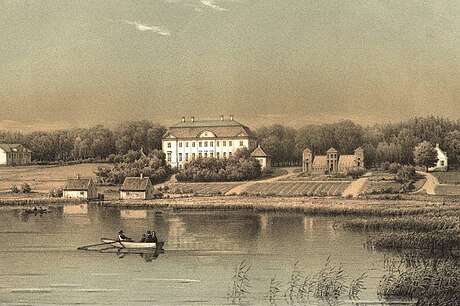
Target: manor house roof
pixel 346 161
pixel 14 148
pixel 220 128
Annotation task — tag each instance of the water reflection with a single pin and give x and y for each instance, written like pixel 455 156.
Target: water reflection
pixel 133 214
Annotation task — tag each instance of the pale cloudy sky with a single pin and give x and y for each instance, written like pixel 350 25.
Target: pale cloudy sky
pixel 78 63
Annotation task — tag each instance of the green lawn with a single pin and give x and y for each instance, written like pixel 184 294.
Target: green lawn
pixel 450 177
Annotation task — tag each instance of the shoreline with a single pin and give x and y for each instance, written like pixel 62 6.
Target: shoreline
pixel 305 205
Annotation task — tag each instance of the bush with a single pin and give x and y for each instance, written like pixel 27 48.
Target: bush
pixel 56 193
pixel 356 172
pixel 385 166
pixel 394 168
pixel 15 189
pixel 25 188
pixel 237 168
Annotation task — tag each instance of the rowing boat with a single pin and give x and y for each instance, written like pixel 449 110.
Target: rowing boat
pixel 131 244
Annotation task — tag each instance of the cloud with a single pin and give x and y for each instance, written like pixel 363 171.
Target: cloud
pixel 212 4
pixel 145 27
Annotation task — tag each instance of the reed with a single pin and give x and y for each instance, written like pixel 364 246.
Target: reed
pixel 274 290
pixel 241 284
pixel 404 223
pixel 432 282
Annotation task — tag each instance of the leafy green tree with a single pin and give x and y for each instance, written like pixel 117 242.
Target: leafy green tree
pixel 425 155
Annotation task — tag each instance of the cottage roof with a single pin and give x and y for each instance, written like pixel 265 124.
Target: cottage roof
pixel 258 152
pixel 346 161
pixel 78 184
pixel 221 128
pixel 14 148
pixel 135 184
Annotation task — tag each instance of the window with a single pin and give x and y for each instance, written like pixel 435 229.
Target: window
pixel 169 156
pixel 193 144
pixel 200 154
pixel 229 143
pixel 211 144
pixel 180 156
pixel 217 143
pixel 180 144
pixel 218 155
pixel 229 154
pixel 169 145
pixel 200 144
pixel 442 163
pixel 211 155
pixel 186 156
pixel 225 154
pixel 241 143
pixel 82 193
pixel 224 143
pixel 186 144
pixel 205 143
pixel 205 155
pixel 193 156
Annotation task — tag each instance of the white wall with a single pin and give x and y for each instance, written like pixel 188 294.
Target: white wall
pixel 132 195
pixel 75 194
pixel 2 157
pixel 183 147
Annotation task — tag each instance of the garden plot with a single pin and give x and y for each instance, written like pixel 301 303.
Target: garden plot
pixel 202 188
pixel 298 188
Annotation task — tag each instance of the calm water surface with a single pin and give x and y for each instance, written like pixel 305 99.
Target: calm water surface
pixel 40 263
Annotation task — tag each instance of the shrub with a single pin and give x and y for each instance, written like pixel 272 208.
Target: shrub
pixel 356 172
pixel 25 188
pixel 15 189
pixel 385 166
pixel 394 168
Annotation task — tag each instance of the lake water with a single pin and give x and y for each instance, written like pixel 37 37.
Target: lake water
pixel 40 263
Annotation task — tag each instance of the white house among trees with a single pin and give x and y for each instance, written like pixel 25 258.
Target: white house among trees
pixel 137 188
pixel 441 164
pixel 189 140
pixel 14 154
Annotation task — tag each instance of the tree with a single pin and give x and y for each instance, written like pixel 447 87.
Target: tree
pixel 425 155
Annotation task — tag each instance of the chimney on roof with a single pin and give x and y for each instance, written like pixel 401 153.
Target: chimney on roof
pixel 142 175
pixel 231 117
pixel 192 119
pixel 183 119
pixel 78 176
pixel 221 117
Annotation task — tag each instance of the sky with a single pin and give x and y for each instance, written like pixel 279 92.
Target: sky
pixel 71 63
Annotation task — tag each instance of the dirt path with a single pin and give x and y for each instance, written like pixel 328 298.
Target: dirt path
pixel 241 188
pixel 431 182
pixel 355 187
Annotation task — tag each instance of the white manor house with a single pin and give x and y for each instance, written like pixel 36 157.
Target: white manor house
pixel 191 139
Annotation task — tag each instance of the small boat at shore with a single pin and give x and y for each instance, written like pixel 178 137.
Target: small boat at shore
pixel 132 244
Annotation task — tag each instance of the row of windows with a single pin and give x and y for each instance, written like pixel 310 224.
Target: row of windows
pixel 206 143
pixel 16 155
pixel 185 157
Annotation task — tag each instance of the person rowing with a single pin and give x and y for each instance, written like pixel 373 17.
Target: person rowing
pixel 123 237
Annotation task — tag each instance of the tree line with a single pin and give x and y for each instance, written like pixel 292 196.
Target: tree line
pixel 96 142
pixel 389 142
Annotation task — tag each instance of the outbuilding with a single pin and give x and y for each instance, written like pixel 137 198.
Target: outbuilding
pixel 264 159
pixel 136 188
pixel 14 154
pixel 82 188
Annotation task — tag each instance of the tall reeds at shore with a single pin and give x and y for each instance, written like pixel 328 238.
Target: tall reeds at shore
pixel 241 284
pixel 430 282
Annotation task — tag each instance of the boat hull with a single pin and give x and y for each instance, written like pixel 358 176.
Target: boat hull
pixel 131 244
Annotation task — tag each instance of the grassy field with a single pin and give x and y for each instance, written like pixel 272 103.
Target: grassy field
pixel 202 188
pixel 452 190
pixel 451 177
pixel 298 188
pixel 43 178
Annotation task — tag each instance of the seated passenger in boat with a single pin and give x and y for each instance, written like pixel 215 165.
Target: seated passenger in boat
pixel 154 237
pixel 123 237
pixel 144 237
pixel 149 237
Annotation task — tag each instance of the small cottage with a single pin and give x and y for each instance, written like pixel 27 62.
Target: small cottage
pixel 83 188
pixel 441 164
pixel 14 154
pixel 263 158
pixel 136 188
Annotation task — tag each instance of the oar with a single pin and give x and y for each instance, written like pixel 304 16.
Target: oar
pixel 85 247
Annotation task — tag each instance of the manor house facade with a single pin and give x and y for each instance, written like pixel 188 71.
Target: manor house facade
pixel 332 162
pixel 188 140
